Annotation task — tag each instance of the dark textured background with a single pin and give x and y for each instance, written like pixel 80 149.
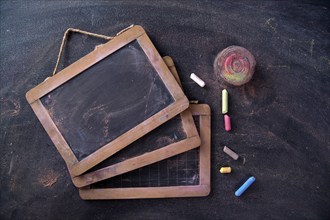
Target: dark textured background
pixel 280 119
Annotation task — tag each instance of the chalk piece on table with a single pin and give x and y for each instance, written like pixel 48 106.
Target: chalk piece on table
pixel 227 123
pixel 245 185
pixel 225 170
pixel 230 153
pixel 224 101
pixel 197 80
pixel 193 101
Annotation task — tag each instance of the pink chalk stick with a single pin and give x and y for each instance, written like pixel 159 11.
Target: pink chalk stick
pixel 227 123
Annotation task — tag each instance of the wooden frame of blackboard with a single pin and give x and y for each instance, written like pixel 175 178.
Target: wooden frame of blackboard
pixel 191 141
pixel 202 189
pixel 137 34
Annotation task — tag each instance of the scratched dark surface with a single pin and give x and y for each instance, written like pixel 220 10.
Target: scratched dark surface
pixel 280 119
pixel 106 100
pixel 179 170
pixel 168 133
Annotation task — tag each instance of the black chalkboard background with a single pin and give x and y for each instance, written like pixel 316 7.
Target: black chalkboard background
pixel 280 119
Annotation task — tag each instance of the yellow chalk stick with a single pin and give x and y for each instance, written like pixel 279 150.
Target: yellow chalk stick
pixel 224 101
pixel 225 170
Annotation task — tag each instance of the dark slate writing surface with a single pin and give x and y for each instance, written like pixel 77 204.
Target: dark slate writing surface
pixel 168 133
pixel 179 170
pixel 107 99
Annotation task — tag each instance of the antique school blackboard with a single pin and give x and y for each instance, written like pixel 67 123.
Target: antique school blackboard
pixel 173 137
pixel 107 99
pixel 184 175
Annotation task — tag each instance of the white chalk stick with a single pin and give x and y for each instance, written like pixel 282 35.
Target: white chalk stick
pixel 197 80
pixel 230 152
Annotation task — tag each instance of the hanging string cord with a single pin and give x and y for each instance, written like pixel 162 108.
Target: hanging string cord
pixel 65 37
pixel 81 32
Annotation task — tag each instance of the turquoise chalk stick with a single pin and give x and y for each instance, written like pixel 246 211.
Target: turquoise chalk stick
pixel 244 187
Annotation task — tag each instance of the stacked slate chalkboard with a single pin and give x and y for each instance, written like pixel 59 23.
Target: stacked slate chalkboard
pixel 121 122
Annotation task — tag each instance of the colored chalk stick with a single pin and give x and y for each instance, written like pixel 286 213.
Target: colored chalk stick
pixel 227 123
pixel 224 101
pixel 230 152
pixel 225 170
pixel 245 186
pixel 197 80
pixel 193 101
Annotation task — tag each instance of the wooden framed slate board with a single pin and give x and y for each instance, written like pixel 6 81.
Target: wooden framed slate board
pixel 171 138
pixel 184 175
pixel 106 100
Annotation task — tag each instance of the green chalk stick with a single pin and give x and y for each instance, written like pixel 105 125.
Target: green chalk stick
pixel 224 101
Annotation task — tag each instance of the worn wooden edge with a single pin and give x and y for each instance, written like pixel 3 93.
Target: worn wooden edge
pixel 188 122
pixel 205 153
pixel 170 64
pixel 158 63
pixel 130 136
pixel 204 113
pixel 83 63
pixel 203 189
pixel 192 140
pixel 54 134
pixel 148 193
pixel 200 109
pixel 136 162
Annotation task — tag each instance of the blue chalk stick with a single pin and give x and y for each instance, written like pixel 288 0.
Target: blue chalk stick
pixel 246 185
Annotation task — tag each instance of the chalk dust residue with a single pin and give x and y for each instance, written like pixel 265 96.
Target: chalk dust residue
pixel 11 164
pixel 194 180
pixel 162 141
pixel 48 178
pixel 9 107
pixel 271 24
